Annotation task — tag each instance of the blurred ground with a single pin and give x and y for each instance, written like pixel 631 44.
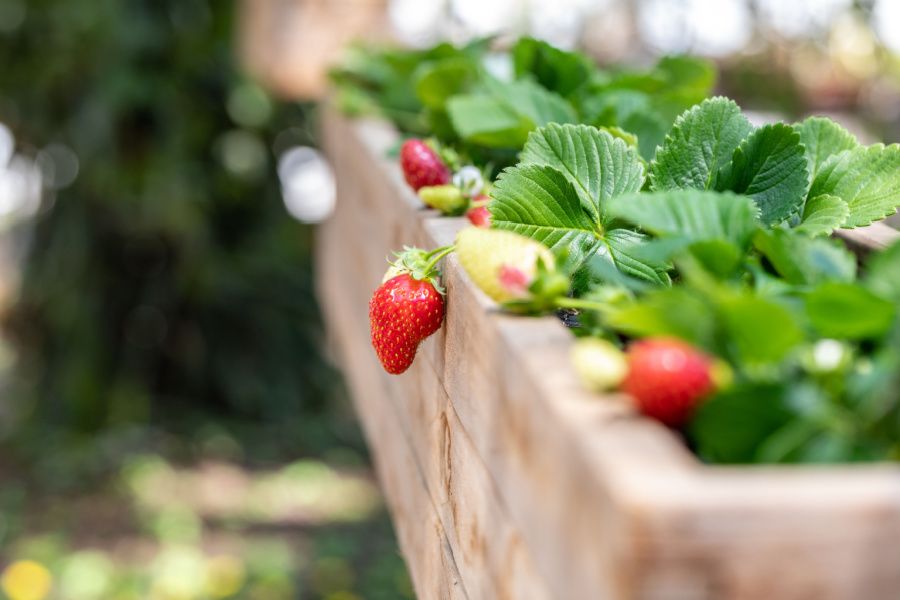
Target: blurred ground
pixel 210 530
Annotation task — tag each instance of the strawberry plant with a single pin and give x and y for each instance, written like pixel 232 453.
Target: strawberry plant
pixel 689 249
pixel 721 246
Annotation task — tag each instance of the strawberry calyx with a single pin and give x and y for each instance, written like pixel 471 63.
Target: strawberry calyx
pixel 419 264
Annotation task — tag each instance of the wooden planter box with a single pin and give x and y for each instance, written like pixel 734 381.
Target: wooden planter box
pixel 507 481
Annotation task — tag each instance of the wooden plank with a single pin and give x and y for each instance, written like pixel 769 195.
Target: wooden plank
pixel 605 504
pixel 496 563
pixel 876 236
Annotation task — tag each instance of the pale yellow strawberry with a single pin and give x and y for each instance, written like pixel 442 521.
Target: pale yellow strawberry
pixel 503 264
pixel 599 364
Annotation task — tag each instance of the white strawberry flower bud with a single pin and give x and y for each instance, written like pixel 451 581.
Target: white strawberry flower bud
pixel 469 180
pixel 827 356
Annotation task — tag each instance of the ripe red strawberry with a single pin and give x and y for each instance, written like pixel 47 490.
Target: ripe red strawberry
pixel 479 214
pixel 668 378
pixel 421 165
pixel 405 309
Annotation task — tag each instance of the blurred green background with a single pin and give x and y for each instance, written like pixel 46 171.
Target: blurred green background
pixel 170 428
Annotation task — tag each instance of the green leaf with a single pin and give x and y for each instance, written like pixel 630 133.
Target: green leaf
pixel 758 331
pixel 673 311
pixel 803 260
pixel 484 120
pixel 541 106
pixel 436 81
pixel 822 215
pixel 866 178
pixel 503 115
pixel 650 129
pixel 731 426
pixel 719 257
pixel 630 139
pixel 700 143
pixel 822 138
pixel 622 246
pixel 558 70
pixel 540 202
pixel 770 167
pixel 883 273
pixel 600 166
pixel 688 81
pixel 693 214
pixel 848 311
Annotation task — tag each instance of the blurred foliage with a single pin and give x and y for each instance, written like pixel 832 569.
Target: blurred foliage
pixel 168 532
pixel 166 281
pixel 484 103
pixel 167 319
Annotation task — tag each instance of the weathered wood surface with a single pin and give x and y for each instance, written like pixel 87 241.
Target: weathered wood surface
pixel 506 480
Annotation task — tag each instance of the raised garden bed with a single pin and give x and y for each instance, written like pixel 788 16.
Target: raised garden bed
pixel 507 480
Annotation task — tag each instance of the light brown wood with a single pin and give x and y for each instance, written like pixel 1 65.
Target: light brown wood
pixel 874 237
pixel 289 45
pixel 507 480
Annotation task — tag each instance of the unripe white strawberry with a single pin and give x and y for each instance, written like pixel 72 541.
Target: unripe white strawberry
pixel 599 364
pixel 446 198
pixel 503 264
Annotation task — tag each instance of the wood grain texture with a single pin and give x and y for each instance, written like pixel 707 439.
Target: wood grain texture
pixel 506 480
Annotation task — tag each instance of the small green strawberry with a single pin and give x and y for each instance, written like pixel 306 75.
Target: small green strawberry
pixel 503 264
pixel 448 199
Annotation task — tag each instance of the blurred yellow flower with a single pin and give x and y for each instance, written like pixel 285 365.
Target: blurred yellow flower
pixel 26 580
pixel 225 576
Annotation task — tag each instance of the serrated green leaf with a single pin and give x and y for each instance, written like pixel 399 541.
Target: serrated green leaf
pixel 693 214
pixel 823 138
pixel 803 260
pixel 630 139
pixel 700 143
pixel 759 331
pixel 599 166
pixel 847 311
pixel 822 215
pixel 867 178
pixel 770 167
pixel 540 202
pixel 883 273
pixel 622 246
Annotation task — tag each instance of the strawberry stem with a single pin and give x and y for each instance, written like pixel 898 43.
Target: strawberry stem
pixel 436 255
pixel 581 304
